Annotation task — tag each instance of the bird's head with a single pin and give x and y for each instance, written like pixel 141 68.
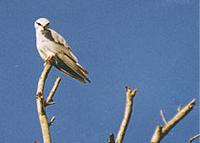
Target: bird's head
pixel 41 24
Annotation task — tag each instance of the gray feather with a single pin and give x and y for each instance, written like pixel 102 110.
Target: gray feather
pixel 70 68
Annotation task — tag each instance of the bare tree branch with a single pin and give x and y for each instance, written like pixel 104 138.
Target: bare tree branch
pixel 49 100
pixel 194 138
pixel 161 132
pixel 40 104
pixel 130 94
pixel 157 134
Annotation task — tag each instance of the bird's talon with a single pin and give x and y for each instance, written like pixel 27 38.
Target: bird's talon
pixel 49 60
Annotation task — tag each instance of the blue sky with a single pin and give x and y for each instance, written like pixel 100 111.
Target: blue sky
pixel 151 45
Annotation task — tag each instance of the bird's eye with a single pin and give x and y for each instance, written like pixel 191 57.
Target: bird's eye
pixel 39 23
pixel 47 25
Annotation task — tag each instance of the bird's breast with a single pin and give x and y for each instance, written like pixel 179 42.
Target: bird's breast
pixel 45 47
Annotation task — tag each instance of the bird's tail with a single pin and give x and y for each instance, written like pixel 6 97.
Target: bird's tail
pixel 71 68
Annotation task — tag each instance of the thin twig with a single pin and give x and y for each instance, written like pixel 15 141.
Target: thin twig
pixel 111 138
pixel 40 104
pixel 158 136
pixel 49 99
pixel 130 94
pixel 52 120
pixel 163 117
pixel 194 138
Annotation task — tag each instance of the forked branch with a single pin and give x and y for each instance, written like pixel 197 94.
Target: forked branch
pixel 160 132
pixel 40 101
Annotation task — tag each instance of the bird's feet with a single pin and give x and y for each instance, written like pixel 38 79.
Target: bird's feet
pixel 49 60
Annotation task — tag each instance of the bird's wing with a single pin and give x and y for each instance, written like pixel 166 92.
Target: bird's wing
pixel 65 48
pixel 66 61
pixel 69 67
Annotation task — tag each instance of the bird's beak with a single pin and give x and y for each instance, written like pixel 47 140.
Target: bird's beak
pixel 46 27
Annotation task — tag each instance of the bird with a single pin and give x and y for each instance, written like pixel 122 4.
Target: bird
pixel 51 44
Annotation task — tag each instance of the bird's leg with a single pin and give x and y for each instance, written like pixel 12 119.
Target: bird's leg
pixel 49 60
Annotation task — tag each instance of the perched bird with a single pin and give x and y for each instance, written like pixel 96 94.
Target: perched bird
pixel 50 44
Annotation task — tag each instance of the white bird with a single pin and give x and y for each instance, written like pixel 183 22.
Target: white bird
pixel 50 44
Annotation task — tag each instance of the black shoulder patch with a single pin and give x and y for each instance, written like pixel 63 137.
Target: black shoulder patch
pixel 47 34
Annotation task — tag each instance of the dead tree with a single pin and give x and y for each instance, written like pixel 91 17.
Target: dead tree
pixel 161 131
pixel 42 103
